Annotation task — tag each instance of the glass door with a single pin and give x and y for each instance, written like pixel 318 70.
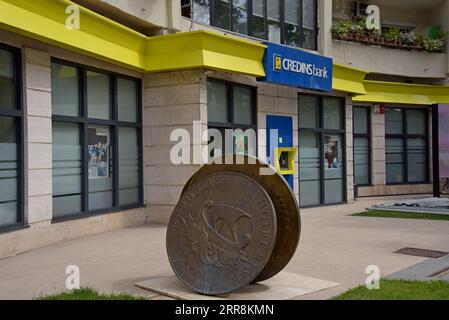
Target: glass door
pixel 322 174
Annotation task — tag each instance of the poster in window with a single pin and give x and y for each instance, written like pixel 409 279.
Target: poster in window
pixel 332 152
pixel 98 147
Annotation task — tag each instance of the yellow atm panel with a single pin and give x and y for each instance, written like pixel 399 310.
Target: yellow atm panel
pixel 284 160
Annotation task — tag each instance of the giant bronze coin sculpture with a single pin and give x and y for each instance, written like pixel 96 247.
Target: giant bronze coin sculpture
pixel 232 226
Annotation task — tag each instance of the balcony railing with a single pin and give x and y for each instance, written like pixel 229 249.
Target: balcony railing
pixel 356 31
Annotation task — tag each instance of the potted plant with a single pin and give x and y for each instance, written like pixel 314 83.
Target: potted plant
pixel 433 45
pixel 361 31
pixel 341 29
pixel 392 36
pixel 407 39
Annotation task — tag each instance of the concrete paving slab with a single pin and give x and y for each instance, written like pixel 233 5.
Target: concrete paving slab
pixel 428 270
pixel 283 286
pixel 427 205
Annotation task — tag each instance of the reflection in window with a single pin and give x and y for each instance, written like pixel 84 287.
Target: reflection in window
pixel 98 95
pixel 65 94
pixel 11 166
pixel 128 166
pixel 7 80
pixel 232 121
pixel 290 22
pixel 100 168
pixel 8 172
pixel 96 154
pixel 67 169
pixel 362 149
pixel 407 145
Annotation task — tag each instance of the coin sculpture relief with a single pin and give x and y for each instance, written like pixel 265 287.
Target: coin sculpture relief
pixel 224 232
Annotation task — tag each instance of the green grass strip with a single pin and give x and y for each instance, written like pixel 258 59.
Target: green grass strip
pixel 88 294
pixel 402 215
pixel 400 290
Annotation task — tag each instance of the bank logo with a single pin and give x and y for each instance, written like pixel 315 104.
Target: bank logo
pixel 277 63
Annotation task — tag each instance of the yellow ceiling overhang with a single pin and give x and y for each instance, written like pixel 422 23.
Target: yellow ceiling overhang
pixel 348 79
pixel 45 20
pixel 205 49
pixel 392 92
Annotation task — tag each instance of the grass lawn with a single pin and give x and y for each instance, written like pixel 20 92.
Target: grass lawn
pixel 402 215
pixel 400 290
pixel 88 294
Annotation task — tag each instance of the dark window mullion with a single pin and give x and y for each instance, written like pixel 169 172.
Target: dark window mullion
pixel 300 22
pixel 84 141
pixel 115 142
pixel 405 144
pixel 265 18
pixel 282 20
pixel 249 17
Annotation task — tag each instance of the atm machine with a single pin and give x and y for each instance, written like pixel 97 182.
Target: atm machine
pixel 280 150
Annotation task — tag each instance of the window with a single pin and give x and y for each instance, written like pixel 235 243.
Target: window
pixel 231 106
pixel 290 22
pixel 321 145
pixel 406 145
pixel 362 146
pixel 97 146
pixel 11 139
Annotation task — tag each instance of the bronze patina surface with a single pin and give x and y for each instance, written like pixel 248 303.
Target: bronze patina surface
pixel 221 233
pixel 284 201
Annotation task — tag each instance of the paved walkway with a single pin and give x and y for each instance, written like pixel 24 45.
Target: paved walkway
pixel 334 247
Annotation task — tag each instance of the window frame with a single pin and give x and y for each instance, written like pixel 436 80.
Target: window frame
pixel 113 124
pixel 368 136
pixel 230 124
pixel 322 132
pixel 249 21
pixel 17 114
pixel 404 136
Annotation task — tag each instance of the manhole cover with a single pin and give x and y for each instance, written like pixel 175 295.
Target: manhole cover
pixel 422 252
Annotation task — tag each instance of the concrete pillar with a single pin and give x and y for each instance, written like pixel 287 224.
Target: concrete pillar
pixel 325 24
pixel 38 137
pixel 172 100
pixel 378 148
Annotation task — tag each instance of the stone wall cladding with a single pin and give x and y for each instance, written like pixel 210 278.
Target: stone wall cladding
pixel 172 100
pixel 37 123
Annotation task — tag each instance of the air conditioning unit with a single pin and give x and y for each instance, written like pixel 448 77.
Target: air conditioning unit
pixel 359 10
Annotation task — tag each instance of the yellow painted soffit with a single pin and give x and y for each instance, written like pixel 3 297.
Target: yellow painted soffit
pixel 348 79
pixel 45 20
pixel 392 92
pixel 205 49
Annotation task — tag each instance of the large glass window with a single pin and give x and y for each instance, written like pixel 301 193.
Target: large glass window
pixel 231 106
pixel 290 22
pixel 362 146
pixel 321 148
pixel 97 159
pixel 11 164
pixel 406 145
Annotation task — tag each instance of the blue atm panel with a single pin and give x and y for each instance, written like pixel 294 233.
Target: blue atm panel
pixel 284 139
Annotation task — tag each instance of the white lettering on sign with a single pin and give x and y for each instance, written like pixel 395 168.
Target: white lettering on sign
pixel 305 68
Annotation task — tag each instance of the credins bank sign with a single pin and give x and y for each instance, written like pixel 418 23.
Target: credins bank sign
pixel 295 67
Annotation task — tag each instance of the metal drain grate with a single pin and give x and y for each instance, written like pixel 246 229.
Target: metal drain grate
pixel 422 253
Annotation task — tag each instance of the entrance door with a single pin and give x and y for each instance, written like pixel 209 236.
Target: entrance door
pixel 322 175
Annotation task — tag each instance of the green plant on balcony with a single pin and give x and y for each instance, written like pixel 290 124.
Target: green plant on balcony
pixel 392 35
pixel 342 28
pixel 433 45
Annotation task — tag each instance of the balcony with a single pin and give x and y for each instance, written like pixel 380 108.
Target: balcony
pixel 406 62
pixel 410 41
